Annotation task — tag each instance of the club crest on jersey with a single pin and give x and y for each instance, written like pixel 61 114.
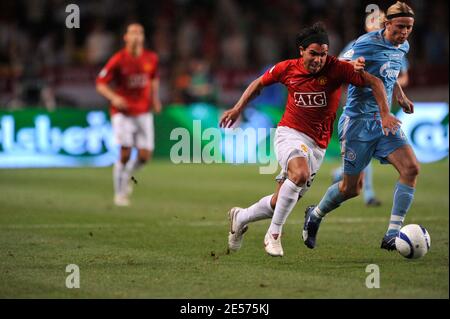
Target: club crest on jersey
pixel 349 54
pixel 322 80
pixel 103 73
pixel 304 148
pixel 310 99
pixel 350 155
pixel 147 67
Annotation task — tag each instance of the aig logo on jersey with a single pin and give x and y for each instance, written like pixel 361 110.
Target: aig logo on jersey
pixel 312 99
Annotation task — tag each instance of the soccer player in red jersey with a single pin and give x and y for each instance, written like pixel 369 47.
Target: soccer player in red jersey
pixel 314 87
pixel 134 73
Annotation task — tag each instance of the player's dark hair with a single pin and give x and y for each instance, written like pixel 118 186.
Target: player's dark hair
pixel 313 34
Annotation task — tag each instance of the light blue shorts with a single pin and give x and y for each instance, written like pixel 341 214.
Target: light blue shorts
pixel 362 138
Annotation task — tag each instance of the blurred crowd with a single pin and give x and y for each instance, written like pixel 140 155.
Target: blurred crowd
pixel 209 50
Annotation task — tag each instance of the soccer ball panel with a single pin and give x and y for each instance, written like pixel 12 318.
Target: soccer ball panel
pixel 413 241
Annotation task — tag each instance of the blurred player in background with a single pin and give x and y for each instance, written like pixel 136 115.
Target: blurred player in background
pixel 134 73
pixel 361 133
pixel 314 88
pixel 374 21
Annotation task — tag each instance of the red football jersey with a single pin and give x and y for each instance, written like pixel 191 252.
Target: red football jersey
pixel 132 78
pixel 313 99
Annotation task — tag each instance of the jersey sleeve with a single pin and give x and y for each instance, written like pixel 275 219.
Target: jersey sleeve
pixel 346 51
pixel 349 75
pixel 405 64
pixel 274 74
pixel 361 47
pixel 106 74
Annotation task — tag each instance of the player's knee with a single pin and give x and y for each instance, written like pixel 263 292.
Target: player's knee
pixel 412 170
pixel 124 158
pixel 299 177
pixel 350 191
pixel 273 201
pixel 409 172
pixel 144 157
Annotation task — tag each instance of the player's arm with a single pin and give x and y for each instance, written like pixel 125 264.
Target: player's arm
pixel 358 64
pixel 115 99
pixel 230 116
pixel 157 105
pixel 105 76
pixel 403 79
pixel 402 99
pixel 388 120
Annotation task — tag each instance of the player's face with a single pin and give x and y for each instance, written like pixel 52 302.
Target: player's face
pixel 399 29
pixel 314 57
pixel 134 36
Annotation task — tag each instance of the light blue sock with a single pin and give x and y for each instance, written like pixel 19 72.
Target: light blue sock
pixel 403 197
pixel 331 200
pixel 369 192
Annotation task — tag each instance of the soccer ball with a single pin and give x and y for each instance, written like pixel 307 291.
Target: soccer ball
pixel 413 241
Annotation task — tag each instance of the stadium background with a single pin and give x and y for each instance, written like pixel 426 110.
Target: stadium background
pixel 209 52
pixel 51 116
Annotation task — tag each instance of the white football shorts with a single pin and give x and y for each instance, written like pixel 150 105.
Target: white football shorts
pixel 290 143
pixel 134 131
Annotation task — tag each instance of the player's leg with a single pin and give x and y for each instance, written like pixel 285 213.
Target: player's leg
pixel 368 191
pixel 124 137
pixel 357 155
pixel 404 160
pixel 119 170
pixel 240 217
pixel 144 137
pixel 349 187
pixel 337 174
pixel 144 155
pixel 264 208
pixel 298 175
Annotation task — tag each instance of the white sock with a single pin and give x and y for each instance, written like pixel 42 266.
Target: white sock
pixel 118 170
pixel 260 210
pixel 287 198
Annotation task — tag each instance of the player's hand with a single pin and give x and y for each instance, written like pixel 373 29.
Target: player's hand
pixel 119 102
pixel 390 124
pixel 229 117
pixel 157 106
pixel 406 105
pixel 359 64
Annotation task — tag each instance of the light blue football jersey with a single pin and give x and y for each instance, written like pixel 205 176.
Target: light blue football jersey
pixel 383 60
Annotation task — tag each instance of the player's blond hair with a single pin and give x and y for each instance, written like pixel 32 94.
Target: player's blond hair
pixel 375 22
pixel 399 7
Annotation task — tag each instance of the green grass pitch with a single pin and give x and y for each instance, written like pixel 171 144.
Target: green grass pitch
pixel 171 243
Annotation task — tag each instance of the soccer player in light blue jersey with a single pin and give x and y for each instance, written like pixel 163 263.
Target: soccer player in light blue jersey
pixel 362 127
pixel 374 22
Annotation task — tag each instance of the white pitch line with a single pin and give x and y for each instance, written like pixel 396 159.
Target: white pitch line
pixel 343 220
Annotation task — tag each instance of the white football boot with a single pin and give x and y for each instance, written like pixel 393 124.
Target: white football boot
pixel 235 236
pixel 121 200
pixel 272 245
